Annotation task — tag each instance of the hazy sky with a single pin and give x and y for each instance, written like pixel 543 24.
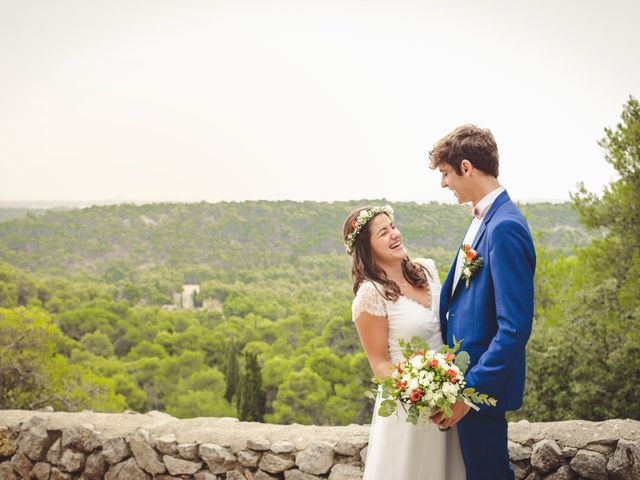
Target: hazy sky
pixel 319 100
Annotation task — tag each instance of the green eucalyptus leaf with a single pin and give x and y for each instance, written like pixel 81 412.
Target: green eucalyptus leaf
pixel 462 361
pixel 447 410
pixel 387 407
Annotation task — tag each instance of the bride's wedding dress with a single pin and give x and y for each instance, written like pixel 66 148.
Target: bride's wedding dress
pixel 399 450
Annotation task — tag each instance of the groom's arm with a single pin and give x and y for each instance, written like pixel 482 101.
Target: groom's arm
pixel 512 262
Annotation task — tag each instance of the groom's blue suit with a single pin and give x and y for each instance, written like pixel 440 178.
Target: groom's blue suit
pixel 493 317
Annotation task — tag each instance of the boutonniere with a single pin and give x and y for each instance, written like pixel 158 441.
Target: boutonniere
pixel 472 263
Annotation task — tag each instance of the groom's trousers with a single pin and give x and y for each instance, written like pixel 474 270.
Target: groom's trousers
pixel 483 441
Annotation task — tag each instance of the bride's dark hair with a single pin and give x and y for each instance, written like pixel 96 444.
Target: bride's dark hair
pixel 363 263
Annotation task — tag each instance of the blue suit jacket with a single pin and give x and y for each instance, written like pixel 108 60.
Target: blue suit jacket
pixel 494 315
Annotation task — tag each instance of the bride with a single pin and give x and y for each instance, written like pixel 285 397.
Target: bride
pixel 396 298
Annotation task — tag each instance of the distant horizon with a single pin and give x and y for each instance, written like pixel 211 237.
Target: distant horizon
pixel 49 204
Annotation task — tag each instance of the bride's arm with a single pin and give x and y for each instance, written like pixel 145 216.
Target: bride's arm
pixel 373 333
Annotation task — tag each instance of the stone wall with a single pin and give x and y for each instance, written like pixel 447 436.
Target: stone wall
pixel 87 445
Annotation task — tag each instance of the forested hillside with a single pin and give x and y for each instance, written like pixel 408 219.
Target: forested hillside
pixel 89 316
pixel 228 236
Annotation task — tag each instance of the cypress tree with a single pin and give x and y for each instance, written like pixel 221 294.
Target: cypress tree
pixel 251 398
pixel 231 371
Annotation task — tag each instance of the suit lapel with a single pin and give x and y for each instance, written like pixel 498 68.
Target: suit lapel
pixel 498 202
pixel 446 287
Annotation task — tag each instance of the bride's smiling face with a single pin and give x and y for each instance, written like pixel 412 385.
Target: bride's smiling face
pixel 386 240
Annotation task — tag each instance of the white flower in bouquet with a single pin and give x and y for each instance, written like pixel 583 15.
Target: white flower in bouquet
pixel 426 380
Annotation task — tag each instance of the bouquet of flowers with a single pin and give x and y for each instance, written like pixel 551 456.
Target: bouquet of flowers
pixel 426 380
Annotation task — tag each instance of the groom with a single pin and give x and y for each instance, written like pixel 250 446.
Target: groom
pixel 493 314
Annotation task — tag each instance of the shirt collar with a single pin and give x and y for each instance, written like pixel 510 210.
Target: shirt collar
pixel 482 207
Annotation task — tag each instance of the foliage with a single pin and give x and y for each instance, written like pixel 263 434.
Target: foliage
pixel 231 371
pixel 251 397
pixel 585 350
pixel 97 285
pixel 33 374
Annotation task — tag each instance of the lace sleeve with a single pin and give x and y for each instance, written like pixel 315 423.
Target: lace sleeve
pixel 369 300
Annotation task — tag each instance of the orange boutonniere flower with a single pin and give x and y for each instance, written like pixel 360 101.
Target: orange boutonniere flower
pixel 472 263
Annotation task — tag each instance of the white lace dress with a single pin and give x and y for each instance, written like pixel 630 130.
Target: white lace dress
pixel 397 449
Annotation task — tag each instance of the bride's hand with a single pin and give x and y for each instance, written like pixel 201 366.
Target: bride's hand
pixel 460 409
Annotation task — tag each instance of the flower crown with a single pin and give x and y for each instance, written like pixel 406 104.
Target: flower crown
pixel 361 220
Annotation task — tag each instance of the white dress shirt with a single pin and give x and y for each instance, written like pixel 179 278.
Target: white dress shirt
pixel 482 207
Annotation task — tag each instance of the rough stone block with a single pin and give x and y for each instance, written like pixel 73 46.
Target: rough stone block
pixel 57 474
pixel 317 459
pixel 563 473
pixel 534 475
pixel 351 446
pixel 95 466
pixel 115 450
pixel 518 452
pixel 282 447
pixel 6 471
pixel 234 475
pixel 273 463
pixel 345 472
pixel 591 465
pixel 148 459
pixel 188 451
pixel 178 466
pixel 219 459
pixel 258 444
pixel 55 452
pixel 21 464
pixel 248 458
pixel 546 456
pixel 260 475
pixel 299 475
pixel 127 470
pixel 41 471
pixel 605 449
pixel 625 461
pixel 521 469
pixel 205 475
pixel 82 438
pixel 72 461
pixel 167 444
pixel 34 441
pixel 363 454
pixel 8 442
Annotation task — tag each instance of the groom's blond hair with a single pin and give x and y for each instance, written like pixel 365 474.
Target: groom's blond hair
pixel 468 142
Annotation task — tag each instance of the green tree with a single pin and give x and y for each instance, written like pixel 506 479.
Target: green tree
pixel 251 397
pixel 200 395
pixel 231 371
pixel 585 350
pixel 618 209
pixel 97 343
pixel 33 374
pixel 301 399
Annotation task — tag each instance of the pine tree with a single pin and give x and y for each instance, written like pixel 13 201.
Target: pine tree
pixel 251 397
pixel 231 370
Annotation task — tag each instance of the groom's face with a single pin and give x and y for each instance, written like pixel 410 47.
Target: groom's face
pixel 458 184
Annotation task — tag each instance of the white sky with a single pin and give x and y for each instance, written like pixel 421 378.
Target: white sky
pixel 324 100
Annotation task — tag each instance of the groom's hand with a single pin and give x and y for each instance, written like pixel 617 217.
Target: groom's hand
pixel 460 409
